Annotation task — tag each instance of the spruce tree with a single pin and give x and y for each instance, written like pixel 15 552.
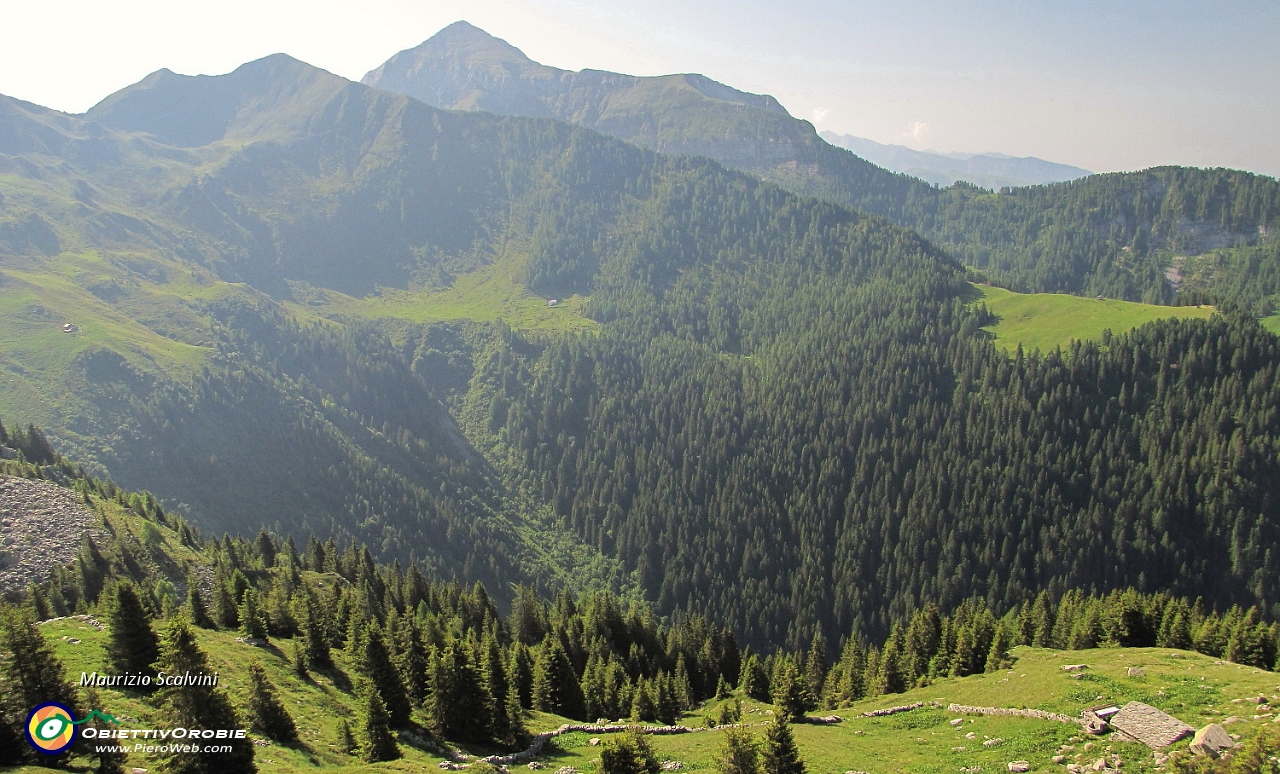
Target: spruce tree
pixel 555 684
pixel 313 632
pixel 197 706
pixel 300 666
pixel 132 647
pixel 755 680
pixel 739 753
pixel 815 664
pixel 643 707
pixel 790 692
pixel 13 749
pixel 459 703
pixel 196 609
pixel 223 603
pixel 517 733
pixel 781 756
pixel 253 621
pixel 267 714
pixel 376 741
pixel 375 664
pixel 520 672
pixel 33 674
pixel 346 739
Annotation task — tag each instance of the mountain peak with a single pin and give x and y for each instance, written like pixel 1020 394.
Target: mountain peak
pixel 460 42
pixel 194 110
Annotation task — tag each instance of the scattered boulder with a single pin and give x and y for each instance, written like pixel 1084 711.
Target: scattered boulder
pixel 1137 672
pixel 1019 766
pixel 1074 667
pixel 992 742
pixel 671 765
pixel 957 722
pixel 1058 758
pixel 594 741
pixel 1212 740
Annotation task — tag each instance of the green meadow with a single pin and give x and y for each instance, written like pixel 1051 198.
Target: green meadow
pixel 1046 320
pixel 1192 687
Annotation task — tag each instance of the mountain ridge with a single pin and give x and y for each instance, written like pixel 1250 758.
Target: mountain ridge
pixel 1033 239
pixel 988 170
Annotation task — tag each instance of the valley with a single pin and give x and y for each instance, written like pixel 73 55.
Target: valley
pixel 482 396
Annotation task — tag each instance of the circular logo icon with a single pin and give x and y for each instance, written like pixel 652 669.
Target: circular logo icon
pixel 50 728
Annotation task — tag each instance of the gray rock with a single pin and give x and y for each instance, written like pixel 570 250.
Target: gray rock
pixel 1149 725
pixel 1212 740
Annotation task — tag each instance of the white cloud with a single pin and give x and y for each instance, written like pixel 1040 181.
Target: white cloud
pixel 820 114
pixel 916 131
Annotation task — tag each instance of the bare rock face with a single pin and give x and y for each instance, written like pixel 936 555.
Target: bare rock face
pixel 40 528
pixel 1212 740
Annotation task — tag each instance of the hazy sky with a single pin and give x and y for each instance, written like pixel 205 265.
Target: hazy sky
pixel 1111 85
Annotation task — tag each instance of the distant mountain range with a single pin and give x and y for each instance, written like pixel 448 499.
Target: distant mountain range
pixel 1121 235
pixel 787 417
pixel 989 170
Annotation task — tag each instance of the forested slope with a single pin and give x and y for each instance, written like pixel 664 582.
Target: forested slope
pixel 1118 235
pixel 785 417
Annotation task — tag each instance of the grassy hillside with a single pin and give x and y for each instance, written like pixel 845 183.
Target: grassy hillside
pixel 1046 320
pixel 1192 687
pixel 496 291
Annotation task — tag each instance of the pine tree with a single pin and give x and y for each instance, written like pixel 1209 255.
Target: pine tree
pixel 376 741
pixel 376 665
pixel 755 680
pixel 643 706
pixel 33 674
pixel 629 753
pixel 815 664
pixel 132 647
pixel 267 715
pixel 517 733
pixel 520 671
pixel 781 756
pixel 346 739
pixel 739 753
pixel 223 604
pixel 998 657
pixel 313 634
pixel 197 612
pixel 722 688
pixel 459 703
pixel 411 660
pixel 197 706
pixel 12 747
pixel 300 666
pixel 555 684
pixel 790 694
pixel 253 622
